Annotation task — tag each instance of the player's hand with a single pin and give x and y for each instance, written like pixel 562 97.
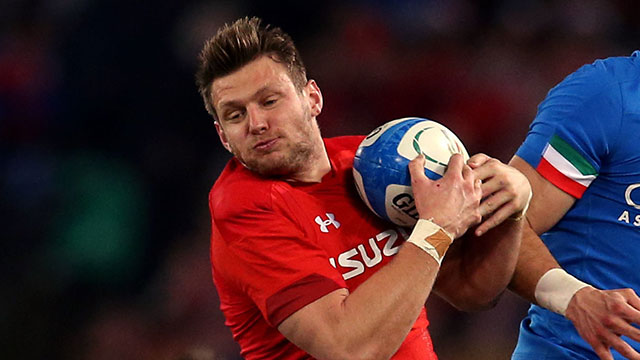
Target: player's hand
pixel 452 201
pixel 505 191
pixel 602 316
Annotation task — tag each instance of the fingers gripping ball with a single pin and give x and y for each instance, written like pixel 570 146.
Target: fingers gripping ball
pixel 380 167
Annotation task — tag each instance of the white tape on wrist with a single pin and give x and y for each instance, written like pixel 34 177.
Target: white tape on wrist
pixel 426 230
pixel 556 288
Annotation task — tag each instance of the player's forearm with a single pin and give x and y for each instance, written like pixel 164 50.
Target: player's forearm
pixel 386 320
pixel 534 261
pixel 539 279
pixel 482 267
pixel 373 321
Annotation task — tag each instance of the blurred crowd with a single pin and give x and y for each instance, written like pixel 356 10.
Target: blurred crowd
pixel 107 153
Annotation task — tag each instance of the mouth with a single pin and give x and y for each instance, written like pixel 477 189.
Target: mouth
pixel 265 145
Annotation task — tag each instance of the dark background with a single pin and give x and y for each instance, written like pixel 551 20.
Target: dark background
pixel 107 153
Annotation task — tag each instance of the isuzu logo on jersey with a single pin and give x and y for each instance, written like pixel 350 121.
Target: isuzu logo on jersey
pixel 324 224
pixel 368 254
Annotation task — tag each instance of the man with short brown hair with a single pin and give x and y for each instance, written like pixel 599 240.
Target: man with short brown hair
pixel 302 267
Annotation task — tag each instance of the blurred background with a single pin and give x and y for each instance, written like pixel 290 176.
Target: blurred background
pixel 107 154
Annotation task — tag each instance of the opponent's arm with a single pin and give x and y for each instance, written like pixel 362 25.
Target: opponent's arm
pixel 600 316
pixel 477 270
pixel 373 321
pixel 479 266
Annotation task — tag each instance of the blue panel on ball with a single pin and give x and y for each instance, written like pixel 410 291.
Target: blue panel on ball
pixel 380 165
pixel 376 181
pixel 384 149
pixel 432 175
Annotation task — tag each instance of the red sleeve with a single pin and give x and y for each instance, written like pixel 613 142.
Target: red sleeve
pixel 265 252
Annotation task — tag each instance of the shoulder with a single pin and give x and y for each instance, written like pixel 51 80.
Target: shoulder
pixel 238 189
pixel 342 149
pixel 617 69
pixel 344 143
pixel 343 146
pixel 601 76
pixel 593 93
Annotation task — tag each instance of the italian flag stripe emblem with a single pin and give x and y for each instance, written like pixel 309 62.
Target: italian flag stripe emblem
pixel 566 168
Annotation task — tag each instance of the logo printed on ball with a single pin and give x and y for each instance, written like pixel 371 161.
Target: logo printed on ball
pixel 452 143
pixel 374 133
pixel 406 204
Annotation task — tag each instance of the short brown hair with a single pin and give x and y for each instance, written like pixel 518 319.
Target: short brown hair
pixel 238 44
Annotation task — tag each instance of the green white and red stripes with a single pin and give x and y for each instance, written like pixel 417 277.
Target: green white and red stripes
pixel 566 168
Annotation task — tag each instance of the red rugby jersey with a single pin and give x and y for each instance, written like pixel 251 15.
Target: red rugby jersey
pixel 277 246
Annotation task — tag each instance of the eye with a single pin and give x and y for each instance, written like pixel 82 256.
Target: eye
pixel 270 101
pixel 234 115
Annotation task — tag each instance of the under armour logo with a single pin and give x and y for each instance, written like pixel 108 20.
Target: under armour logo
pixel 325 223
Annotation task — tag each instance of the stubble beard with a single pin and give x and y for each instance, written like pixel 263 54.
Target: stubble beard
pixel 290 159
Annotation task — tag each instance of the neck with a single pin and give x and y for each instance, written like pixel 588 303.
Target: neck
pixel 318 165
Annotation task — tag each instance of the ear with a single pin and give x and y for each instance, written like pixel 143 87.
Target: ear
pixel 314 96
pixel 223 137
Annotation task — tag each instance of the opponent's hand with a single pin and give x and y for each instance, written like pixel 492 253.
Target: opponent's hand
pixel 505 191
pixel 452 202
pixel 602 316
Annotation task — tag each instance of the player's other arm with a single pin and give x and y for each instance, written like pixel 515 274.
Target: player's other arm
pixel 547 207
pixel 373 321
pixel 600 316
pixel 479 266
pixel 478 269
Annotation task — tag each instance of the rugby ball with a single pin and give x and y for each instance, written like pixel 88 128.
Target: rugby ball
pixel 380 166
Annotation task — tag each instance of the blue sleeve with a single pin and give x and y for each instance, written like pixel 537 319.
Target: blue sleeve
pixel 584 110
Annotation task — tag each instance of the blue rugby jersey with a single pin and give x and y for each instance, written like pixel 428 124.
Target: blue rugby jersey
pixel 585 140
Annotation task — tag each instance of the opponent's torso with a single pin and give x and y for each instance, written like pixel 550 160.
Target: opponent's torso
pixel 598 240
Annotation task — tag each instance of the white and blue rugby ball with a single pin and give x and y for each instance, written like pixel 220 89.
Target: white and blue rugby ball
pixel 380 167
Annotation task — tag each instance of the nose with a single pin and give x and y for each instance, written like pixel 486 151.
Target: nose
pixel 258 122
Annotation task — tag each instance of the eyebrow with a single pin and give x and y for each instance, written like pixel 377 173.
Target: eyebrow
pixel 262 90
